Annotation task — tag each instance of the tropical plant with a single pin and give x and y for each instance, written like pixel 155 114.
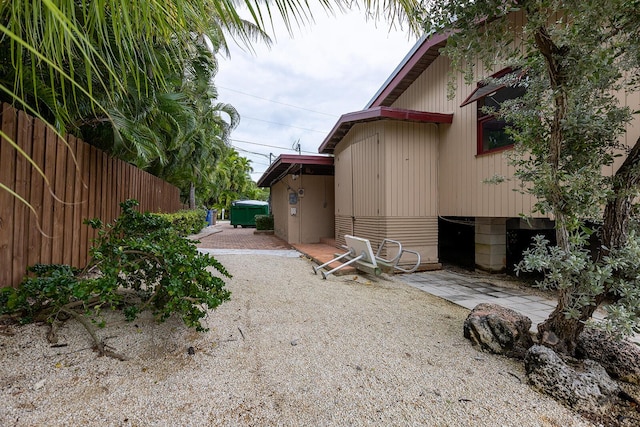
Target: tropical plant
pixel 230 180
pixel 143 264
pixel 575 56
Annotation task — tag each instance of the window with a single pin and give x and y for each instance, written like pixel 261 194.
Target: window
pixel 491 130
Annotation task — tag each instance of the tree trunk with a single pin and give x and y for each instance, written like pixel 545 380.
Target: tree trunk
pixel 192 196
pixel 561 333
pixel 558 331
pixel 618 211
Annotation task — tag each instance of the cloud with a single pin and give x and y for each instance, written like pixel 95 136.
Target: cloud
pixel 298 89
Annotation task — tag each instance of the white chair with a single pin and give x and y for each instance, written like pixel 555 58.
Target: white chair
pixel 361 255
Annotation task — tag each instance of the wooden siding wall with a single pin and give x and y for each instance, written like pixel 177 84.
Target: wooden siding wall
pixel 410 170
pixel 461 191
pixel 365 168
pixel 416 233
pixel 279 208
pixel 386 185
pixel 91 186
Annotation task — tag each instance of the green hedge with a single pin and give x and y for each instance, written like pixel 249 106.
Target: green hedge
pixel 264 222
pixel 187 222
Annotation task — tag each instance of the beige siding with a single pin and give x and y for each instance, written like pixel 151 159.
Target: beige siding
pixel 410 169
pixel 365 167
pixel 343 225
pixel 279 202
pixel 316 208
pixel 461 191
pixel 386 185
pixel 344 182
pixel 415 233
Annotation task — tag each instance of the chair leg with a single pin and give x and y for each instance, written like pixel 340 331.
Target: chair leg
pixel 319 267
pixel 351 261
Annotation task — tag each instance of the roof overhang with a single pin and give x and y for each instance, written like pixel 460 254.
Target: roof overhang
pixel 293 163
pixel 347 121
pixel 489 87
pixel 424 52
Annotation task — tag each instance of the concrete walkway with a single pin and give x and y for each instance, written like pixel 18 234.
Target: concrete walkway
pixel 468 291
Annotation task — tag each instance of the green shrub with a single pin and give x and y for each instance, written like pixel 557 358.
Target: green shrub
pixel 143 264
pixel 187 222
pixel 264 222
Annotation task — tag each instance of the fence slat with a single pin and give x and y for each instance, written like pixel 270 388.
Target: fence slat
pixel 20 233
pixel 69 191
pixel 7 176
pixel 57 250
pixel 37 192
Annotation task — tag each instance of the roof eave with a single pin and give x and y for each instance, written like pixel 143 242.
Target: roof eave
pixel 284 162
pixel 347 121
pixel 401 75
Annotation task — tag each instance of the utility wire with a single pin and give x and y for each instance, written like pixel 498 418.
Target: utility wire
pixel 282 124
pixel 277 102
pixel 271 146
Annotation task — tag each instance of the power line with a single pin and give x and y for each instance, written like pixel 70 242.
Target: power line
pixel 277 102
pixel 282 124
pixel 271 146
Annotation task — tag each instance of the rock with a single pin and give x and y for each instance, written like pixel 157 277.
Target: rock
pixel 498 330
pixel 621 359
pixel 587 388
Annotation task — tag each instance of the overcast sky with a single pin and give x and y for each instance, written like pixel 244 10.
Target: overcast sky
pixel 297 90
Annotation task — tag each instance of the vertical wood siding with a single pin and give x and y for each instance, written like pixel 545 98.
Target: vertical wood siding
pixel 410 169
pixel 461 191
pixel 386 185
pixel 83 183
pixel 461 172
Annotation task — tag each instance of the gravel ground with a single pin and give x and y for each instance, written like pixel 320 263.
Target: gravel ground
pixel 289 349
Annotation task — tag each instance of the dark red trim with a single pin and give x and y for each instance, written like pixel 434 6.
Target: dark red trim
pixel 407 68
pixel 479 142
pixel 346 122
pixel 322 165
pixel 496 87
pixel 304 159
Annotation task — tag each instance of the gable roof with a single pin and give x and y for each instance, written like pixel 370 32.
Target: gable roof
pixel 305 165
pixel 421 56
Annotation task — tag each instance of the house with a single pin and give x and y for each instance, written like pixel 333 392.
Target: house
pixel 412 165
pixel 302 197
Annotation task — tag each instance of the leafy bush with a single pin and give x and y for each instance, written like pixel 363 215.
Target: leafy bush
pixel 143 264
pixel 264 222
pixel 187 222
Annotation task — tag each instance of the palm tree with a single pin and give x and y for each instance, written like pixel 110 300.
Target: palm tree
pixel 72 63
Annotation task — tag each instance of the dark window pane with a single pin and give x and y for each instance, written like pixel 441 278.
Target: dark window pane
pixel 491 131
pixel 494 135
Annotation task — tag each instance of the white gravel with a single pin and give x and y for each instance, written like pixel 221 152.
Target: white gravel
pixel 289 349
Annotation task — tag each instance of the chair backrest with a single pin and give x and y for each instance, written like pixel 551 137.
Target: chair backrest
pixel 358 246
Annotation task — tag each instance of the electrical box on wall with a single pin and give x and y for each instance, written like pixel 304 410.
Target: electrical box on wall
pixel 301 192
pixel 293 198
pixel 294 211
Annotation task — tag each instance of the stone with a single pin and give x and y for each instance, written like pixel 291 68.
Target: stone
pixel 620 358
pixel 498 330
pixel 586 387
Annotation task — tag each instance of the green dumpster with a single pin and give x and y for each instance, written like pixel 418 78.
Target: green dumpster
pixel 243 212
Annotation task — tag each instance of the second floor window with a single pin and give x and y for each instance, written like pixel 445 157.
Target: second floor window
pixel 489 97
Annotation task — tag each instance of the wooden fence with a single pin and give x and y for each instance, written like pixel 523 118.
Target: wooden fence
pixel 84 182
